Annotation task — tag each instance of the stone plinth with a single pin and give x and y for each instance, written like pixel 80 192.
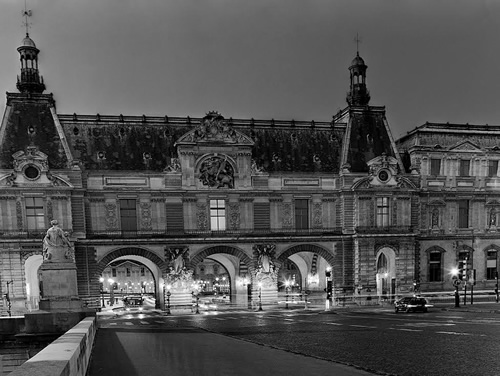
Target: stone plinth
pixel 59 281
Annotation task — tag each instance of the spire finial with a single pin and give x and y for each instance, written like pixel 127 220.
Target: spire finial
pixel 26 13
pixel 358 41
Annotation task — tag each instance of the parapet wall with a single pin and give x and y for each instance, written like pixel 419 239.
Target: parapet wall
pixel 68 355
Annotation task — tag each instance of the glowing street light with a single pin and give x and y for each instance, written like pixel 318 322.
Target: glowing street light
pixel 101 280
pixel 260 296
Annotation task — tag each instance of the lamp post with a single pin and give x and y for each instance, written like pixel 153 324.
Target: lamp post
pixel 287 285
pixel 111 292
pixel 101 280
pixel 168 298
pixel 7 298
pixel 456 283
pixel 496 285
pixel 260 296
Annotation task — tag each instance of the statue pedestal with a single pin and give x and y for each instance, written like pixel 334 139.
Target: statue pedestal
pixel 60 306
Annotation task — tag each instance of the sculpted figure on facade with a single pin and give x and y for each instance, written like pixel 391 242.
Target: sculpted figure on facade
pixel 265 254
pixel 217 173
pixel 174 166
pixel 56 245
pixel 177 258
pixel 493 217
pixel 266 271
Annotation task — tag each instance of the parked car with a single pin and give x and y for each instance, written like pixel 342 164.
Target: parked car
pixel 411 304
pixel 207 305
pixel 133 303
pixel 400 304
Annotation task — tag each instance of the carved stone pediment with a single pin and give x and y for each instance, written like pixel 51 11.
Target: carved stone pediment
pixel 213 128
pixel 31 167
pixel 465 146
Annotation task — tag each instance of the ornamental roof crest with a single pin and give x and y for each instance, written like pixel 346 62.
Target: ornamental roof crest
pixel 213 128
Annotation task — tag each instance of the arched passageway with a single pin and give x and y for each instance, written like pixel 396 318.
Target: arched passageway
pixel 150 260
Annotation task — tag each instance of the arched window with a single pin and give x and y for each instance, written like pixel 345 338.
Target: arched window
pixel 382 264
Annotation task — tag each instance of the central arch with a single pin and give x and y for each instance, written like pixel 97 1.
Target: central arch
pixel 239 287
pixel 136 253
pixel 307 248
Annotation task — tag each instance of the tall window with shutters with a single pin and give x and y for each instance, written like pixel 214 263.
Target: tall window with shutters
pixel 435 167
pixel 35 214
pixel 435 274
pixel 464 167
pixel 218 215
pixel 128 216
pixel 463 214
pixel 383 212
pixel 301 214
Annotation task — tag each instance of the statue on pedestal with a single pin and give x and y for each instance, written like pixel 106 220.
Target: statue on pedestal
pixel 56 245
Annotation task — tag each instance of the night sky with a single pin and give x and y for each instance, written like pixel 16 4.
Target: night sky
pixel 428 60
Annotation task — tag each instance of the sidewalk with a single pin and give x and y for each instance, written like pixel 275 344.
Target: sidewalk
pixel 194 352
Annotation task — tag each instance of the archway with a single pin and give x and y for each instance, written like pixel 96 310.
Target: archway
pixel 31 267
pixel 238 265
pixel 151 260
pixel 312 262
pixel 386 273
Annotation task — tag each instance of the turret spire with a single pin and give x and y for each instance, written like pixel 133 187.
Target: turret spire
pixel 358 94
pixel 30 80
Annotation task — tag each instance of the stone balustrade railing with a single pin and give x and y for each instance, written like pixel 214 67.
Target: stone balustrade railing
pixel 69 355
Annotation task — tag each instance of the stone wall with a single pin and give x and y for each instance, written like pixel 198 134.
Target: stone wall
pixel 69 355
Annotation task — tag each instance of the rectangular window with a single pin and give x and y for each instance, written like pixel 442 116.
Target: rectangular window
pixel 261 216
pixel 301 214
pixel 435 167
pixel 463 214
pixel 218 215
pixel 128 272
pixel 113 272
pixel 464 167
pixel 435 267
pixel 128 217
pixel 143 273
pixel 491 264
pixel 492 168
pixel 382 211
pixel 35 215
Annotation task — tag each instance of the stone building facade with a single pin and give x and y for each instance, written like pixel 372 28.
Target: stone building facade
pixel 459 202
pixel 266 200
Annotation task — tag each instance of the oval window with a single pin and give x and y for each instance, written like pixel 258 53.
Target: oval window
pixel 31 172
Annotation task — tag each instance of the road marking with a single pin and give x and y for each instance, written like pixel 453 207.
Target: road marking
pixel 407 330
pixel 364 326
pixel 144 322
pixel 159 322
pixel 333 323
pixel 129 323
pixel 220 318
pixel 456 333
pixel 422 324
pixel 288 319
pixel 112 323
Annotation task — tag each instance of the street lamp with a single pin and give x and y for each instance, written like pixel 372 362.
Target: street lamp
pixel 101 280
pixel 456 283
pixel 287 286
pixel 260 296
pixel 168 299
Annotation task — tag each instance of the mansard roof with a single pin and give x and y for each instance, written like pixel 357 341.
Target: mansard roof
pixel 446 136
pixel 122 142
pixel 30 120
